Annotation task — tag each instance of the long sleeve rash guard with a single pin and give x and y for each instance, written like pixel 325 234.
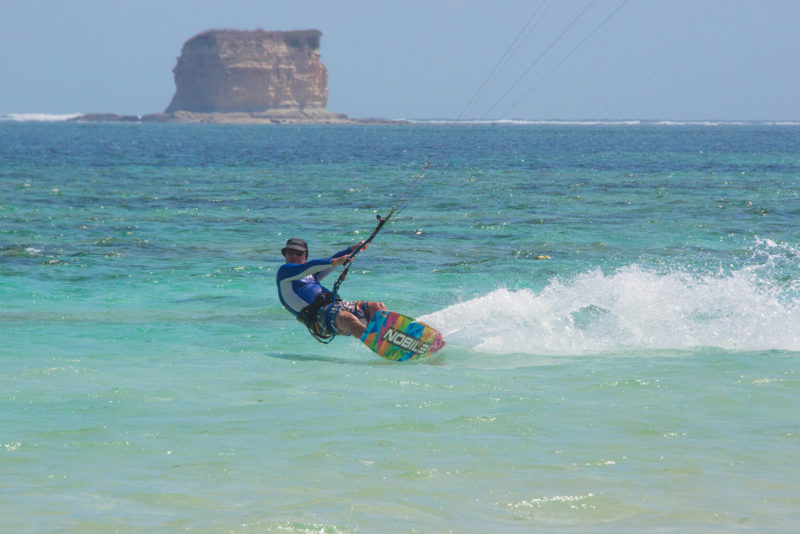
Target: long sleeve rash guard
pixel 299 283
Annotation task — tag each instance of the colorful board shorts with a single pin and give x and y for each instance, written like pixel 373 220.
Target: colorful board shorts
pixel 356 307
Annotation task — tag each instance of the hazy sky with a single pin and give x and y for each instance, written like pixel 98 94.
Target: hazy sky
pixel 424 59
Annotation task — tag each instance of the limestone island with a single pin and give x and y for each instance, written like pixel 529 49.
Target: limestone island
pixel 247 77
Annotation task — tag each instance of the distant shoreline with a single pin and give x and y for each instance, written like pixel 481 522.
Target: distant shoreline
pixel 290 116
pixel 343 119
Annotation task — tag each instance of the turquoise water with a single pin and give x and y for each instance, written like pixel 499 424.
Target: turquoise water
pixel 645 377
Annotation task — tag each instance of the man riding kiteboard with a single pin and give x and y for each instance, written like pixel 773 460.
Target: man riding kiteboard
pixel 302 294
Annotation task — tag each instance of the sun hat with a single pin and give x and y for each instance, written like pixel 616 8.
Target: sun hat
pixel 295 244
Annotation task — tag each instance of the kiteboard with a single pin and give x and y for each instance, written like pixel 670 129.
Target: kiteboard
pixel 400 338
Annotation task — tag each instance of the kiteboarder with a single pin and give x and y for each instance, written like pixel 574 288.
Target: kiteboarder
pixel 301 293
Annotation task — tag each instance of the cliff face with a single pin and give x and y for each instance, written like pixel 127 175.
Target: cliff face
pixel 250 71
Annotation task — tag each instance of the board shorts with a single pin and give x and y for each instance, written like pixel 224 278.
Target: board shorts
pixel 356 307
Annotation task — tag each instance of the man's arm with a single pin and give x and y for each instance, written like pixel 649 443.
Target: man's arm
pixel 340 257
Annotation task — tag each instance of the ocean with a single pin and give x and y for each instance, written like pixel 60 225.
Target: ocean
pixel 621 303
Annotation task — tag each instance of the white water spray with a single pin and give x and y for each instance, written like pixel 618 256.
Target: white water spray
pixel 632 308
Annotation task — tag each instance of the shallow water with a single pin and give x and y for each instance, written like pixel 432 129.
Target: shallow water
pixel 644 377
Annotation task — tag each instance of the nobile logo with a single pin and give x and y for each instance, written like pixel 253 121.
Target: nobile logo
pixel 406 342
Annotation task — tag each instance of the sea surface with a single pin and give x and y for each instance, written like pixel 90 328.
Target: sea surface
pixel 621 303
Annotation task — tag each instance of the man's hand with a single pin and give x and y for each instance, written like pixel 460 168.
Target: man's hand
pixel 341 259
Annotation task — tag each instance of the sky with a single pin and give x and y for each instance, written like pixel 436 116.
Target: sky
pixel 429 59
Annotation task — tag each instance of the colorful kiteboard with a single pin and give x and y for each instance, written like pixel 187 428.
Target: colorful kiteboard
pixel 400 338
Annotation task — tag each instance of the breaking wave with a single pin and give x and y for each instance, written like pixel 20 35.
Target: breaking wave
pixel 37 117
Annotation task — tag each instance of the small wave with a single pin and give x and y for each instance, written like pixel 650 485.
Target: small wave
pixel 722 123
pixel 530 122
pixel 704 123
pixel 635 308
pixel 37 117
pixel 604 122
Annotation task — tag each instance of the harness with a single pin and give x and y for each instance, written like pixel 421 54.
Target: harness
pixel 308 316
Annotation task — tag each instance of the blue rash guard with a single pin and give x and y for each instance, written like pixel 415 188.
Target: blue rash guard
pixel 298 283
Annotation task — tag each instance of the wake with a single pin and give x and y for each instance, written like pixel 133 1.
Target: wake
pixel 632 308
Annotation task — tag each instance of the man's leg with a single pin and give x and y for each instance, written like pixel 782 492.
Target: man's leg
pixel 349 323
pixel 373 308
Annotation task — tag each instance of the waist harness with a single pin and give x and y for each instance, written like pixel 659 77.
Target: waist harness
pixel 308 316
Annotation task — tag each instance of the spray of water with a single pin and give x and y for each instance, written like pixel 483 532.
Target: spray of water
pixel 753 308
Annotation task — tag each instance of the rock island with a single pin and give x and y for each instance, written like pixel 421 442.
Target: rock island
pixel 234 76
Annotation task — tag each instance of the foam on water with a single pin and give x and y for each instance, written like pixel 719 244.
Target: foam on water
pixel 633 308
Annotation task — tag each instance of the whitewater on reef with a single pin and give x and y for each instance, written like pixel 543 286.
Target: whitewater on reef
pixel 38 117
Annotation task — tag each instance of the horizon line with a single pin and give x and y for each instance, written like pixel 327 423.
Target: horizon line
pixel 65 117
